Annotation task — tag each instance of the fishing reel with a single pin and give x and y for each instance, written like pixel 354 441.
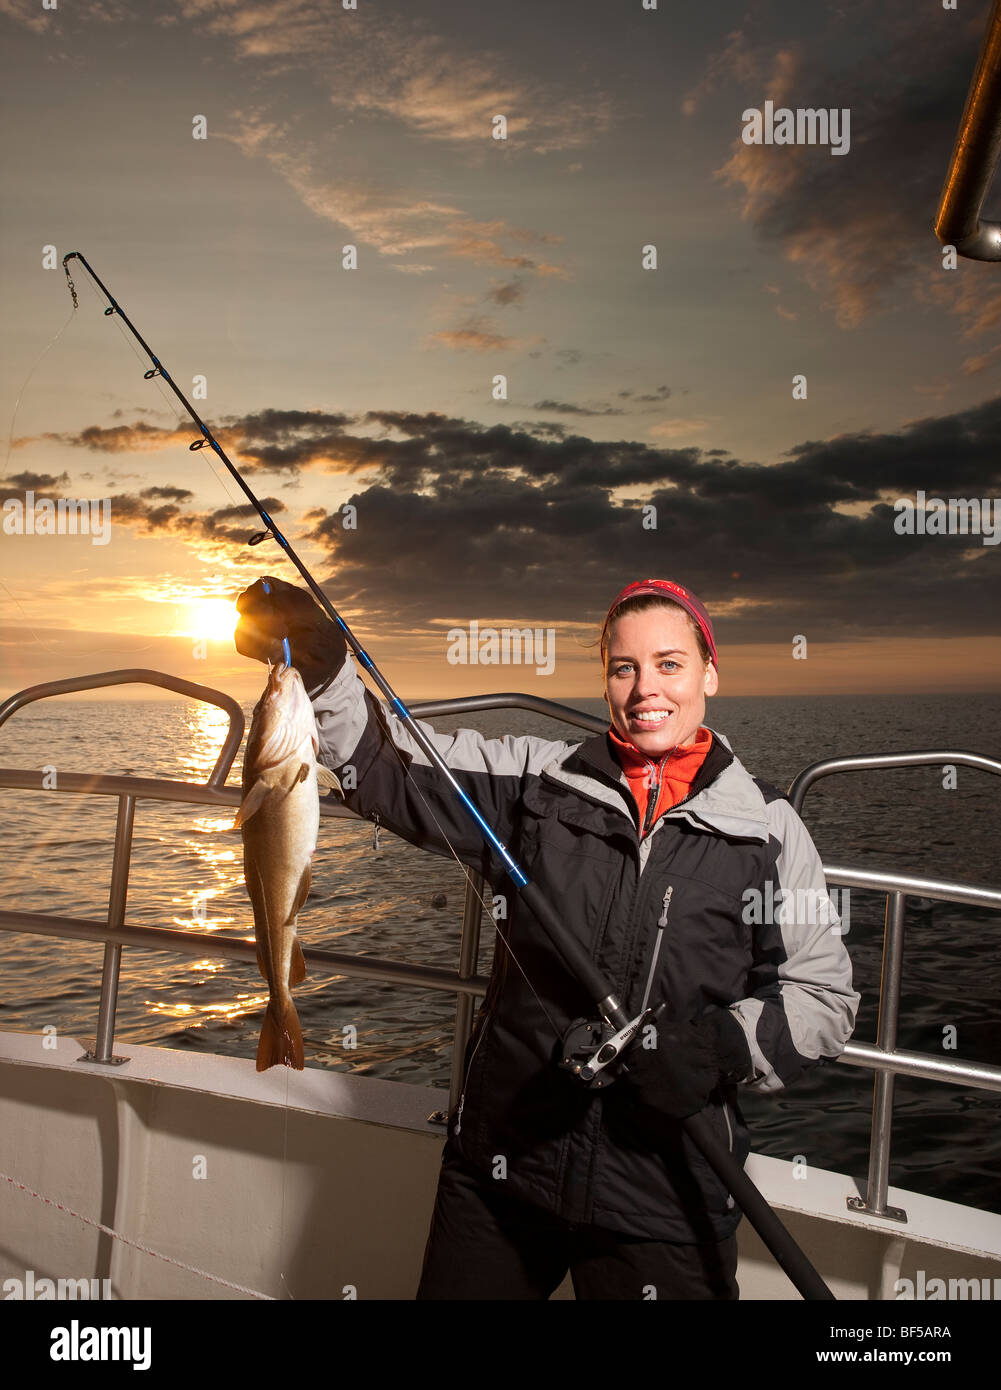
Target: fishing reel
pixel 590 1049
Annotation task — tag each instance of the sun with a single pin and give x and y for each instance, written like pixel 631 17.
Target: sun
pixel 212 619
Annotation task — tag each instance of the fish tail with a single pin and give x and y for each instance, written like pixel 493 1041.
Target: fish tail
pixel 281 1039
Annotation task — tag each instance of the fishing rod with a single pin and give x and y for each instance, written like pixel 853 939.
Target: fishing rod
pixel 618 1027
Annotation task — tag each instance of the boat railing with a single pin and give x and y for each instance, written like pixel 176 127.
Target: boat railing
pixel 883 1057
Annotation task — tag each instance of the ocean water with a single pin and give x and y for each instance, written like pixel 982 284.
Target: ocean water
pixel 400 902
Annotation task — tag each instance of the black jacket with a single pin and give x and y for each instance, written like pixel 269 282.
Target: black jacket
pixel 710 869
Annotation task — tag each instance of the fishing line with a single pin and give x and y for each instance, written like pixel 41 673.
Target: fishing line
pixel 467 874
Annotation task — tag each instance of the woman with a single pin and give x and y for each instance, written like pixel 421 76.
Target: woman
pixel 662 856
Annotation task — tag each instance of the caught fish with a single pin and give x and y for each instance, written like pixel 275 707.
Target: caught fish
pixel 279 818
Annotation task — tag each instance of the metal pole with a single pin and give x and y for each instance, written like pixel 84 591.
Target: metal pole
pixel 113 953
pixel 886 1041
pixel 975 158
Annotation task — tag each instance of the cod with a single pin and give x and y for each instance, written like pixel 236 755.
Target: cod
pixel 279 817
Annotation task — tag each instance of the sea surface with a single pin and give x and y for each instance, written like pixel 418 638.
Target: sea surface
pixel 405 904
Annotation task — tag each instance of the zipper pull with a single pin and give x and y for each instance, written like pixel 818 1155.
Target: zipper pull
pixel 375 837
pixel 662 921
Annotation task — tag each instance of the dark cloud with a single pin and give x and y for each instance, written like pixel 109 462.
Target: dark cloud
pixel 545 429
pixel 564 408
pixel 511 292
pixel 170 494
pixel 37 482
pixel 661 394
pixel 497 520
pixel 170 519
pixel 507 524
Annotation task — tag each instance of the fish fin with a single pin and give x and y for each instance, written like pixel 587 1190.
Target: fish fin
pixel 303 773
pixel 281 1039
pixel 262 937
pixel 328 779
pixel 302 892
pixel 252 802
pixel 296 965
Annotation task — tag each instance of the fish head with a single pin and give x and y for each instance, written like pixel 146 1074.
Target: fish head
pixel 283 720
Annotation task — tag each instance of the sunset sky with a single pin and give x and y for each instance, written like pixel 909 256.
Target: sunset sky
pixel 480 258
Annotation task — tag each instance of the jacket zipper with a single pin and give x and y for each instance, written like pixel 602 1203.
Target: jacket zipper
pixel 661 924
pixel 462 1097
pixel 668 895
pixel 653 796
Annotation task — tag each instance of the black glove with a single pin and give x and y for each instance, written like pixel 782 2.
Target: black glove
pixel 675 1078
pixel 316 642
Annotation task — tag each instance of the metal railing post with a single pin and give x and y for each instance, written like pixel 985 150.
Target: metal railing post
pixel 104 1041
pixel 886 1041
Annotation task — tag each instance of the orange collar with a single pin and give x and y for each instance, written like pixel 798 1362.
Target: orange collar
pixel 670 776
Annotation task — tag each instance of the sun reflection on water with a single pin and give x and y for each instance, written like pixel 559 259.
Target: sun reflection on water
pixel 207 726
pixel 197 1014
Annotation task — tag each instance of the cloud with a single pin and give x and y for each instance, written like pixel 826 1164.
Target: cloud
pixel 507 292
pixel 477 335
pixel 456 517
pixel 674 429
pixel 17 483
pixel 972 366
pixel 859 237
pixel 397 67
pixel 662 393
pixel 565 408
pixel 118 439
pixel 170 494
pixel 29 14
pixel 397 221
pixel 219 526
pixel 268 439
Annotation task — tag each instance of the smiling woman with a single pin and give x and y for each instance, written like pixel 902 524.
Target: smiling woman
pixel 649 843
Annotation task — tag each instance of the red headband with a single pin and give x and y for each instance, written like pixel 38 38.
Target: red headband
pixel 678 595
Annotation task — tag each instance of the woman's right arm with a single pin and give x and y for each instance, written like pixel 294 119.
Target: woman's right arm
pixel 385 774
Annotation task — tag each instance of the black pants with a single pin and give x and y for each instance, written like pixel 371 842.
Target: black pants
pixel 484 1244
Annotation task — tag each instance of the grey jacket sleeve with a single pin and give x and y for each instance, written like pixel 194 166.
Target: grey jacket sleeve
pixel 385 774
pixel 802 1006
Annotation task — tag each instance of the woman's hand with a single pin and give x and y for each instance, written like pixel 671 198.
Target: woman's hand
pixel 675 1078
pixel 270 610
